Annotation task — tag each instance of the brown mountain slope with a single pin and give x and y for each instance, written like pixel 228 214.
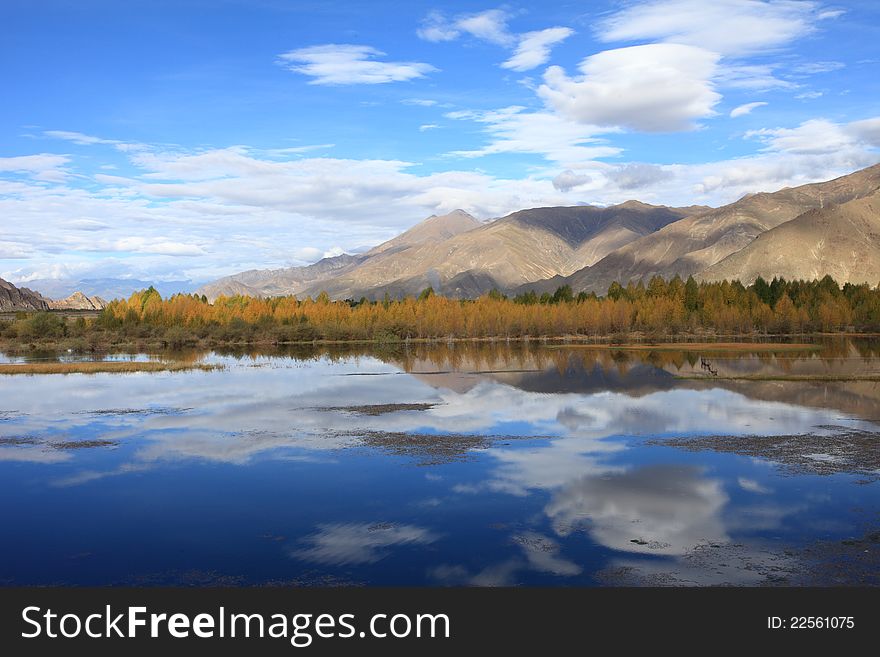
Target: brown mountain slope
pixel 278 282
pixel 842 240
pixel 697 242
pixel 525 246
pixel 433 229
pixel 293 280
pixel 14 298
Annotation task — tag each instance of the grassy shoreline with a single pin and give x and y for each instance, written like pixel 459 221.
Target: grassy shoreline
pixel 100 367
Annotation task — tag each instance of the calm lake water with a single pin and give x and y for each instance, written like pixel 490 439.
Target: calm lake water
pixel 464 465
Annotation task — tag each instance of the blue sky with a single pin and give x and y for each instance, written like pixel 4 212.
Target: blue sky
pixel 190 139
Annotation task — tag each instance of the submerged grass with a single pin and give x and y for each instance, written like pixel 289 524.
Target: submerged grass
pixel 378 409
pixel 844 450
pixel 97 367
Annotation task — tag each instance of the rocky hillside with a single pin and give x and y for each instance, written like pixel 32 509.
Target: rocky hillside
pixel 842 241
pixel 14 298
pixel 78 301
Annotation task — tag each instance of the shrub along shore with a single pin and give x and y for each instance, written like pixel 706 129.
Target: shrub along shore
pixel 661 311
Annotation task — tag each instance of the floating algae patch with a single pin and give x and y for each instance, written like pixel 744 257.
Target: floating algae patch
pixel 136 411
pixel 24 441
pixel 708 564
pixel 214 579
pixel 16 441
pixel 377 409
pixel 850 562
pixel 83 444
pixel 427 448
pixel 186 578
pixel 850 451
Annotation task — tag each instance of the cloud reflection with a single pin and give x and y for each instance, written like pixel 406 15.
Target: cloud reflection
pixel 658 509
pixel 243 411
pixel 543 554
pixel 341 544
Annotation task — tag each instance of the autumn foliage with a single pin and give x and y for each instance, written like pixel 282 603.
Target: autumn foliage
pixel 660 307
pixel 659 310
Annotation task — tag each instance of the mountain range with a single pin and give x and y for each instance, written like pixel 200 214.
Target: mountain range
pixel 461 257
pixel 799 232
pixel 694 245
pixel 106 287
pixel 14 298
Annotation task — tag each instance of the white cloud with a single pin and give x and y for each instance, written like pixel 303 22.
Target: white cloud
pixel 867 131
pixel 82 139
pixel 296 150
pixel 820 136
pixel 14 250
pixel 810 95
pixel 435 27
pixel 197 215
pixel 747 108
pixel 514 130
pixel 735 29
pixel 350 64
pixel 490 25
pixel 156 246
pixel 728 27
pixel 568 180
pixel 813 68
pixel 44 166
pixel 78 137
pixel 428 126
pixel 653 88
pixel 87 224
pixel 531 48
pixel 725 181
pixel 534 48
pixel 753 77
pixel 638 175
pixel 421 102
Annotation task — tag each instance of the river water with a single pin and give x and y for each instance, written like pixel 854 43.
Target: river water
pixel 479 465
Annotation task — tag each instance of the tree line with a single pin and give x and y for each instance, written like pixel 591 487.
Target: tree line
pixel 659 309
